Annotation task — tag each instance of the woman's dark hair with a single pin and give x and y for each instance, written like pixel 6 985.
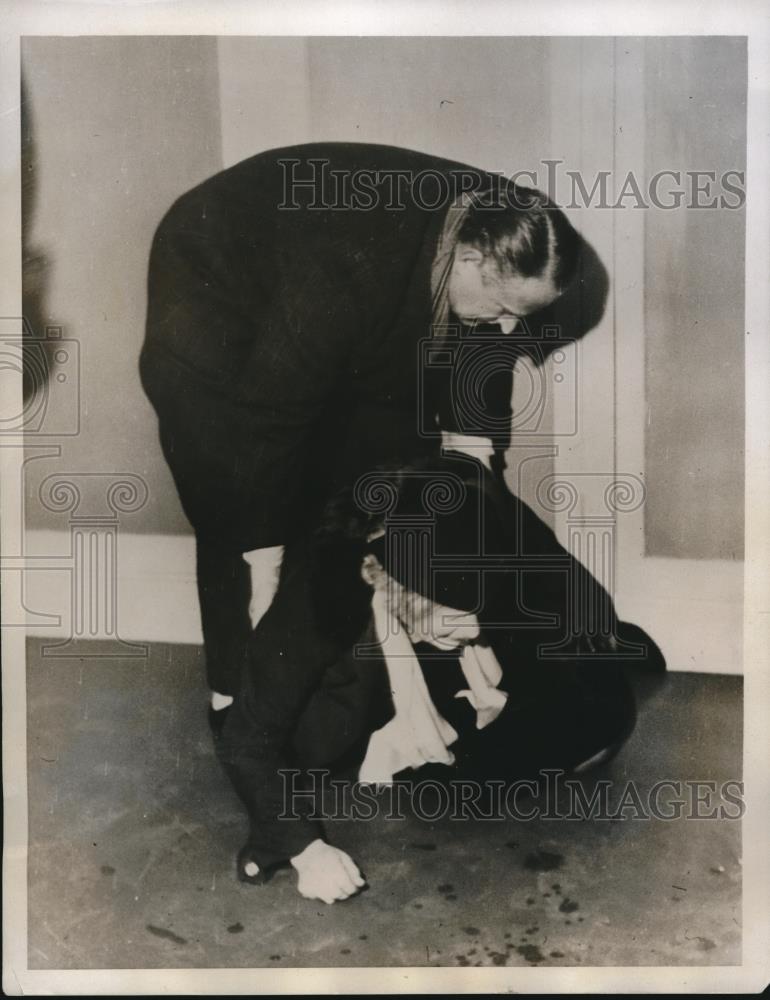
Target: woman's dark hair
pixel 344 535
pixel 445 488
pixel 524 233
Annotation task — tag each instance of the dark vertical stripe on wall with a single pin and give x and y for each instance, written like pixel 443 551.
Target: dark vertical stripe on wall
pixel 694 304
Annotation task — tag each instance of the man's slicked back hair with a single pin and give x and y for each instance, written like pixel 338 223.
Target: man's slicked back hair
pixel 524 233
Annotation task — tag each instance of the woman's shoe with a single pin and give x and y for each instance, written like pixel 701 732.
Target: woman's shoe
pixel 601 757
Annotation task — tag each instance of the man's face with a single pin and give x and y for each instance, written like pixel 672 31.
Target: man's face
pixel 477 293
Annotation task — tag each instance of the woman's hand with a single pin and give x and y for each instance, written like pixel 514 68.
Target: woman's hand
pixel 326 873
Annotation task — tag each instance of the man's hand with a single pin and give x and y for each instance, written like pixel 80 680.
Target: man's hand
pixel 326 873
pixel 265 565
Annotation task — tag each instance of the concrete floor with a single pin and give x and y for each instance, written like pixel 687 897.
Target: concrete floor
pixel 133 833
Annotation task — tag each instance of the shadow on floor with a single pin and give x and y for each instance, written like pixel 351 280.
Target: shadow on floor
pixel 134 830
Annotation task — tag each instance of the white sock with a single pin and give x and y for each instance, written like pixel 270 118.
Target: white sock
pixel 220 701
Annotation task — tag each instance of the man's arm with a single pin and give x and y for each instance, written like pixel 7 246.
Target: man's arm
pixel 288 659
pixel 327 873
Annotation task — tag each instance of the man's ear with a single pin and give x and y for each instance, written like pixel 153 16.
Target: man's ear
pixel 372 570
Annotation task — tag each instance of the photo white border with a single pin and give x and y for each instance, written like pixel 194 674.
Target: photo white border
pixel 405 17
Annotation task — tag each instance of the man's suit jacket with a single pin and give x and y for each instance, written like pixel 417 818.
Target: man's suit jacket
pixel 282 350
pixel 275 335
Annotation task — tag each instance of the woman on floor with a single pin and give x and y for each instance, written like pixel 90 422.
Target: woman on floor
pixel 426 623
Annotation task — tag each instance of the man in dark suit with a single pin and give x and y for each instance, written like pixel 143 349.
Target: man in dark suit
pixel 427 622
pixel 291 298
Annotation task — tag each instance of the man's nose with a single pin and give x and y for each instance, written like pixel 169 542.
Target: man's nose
pixel 467 627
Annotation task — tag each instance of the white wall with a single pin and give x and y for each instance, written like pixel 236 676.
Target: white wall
pixel 120 127
pixel 483 101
